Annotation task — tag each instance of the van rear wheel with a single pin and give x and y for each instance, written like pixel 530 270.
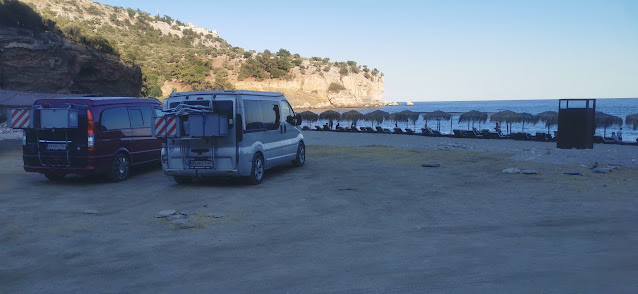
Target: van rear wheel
pixel 257 170
pixel 300 160
pixel 120 168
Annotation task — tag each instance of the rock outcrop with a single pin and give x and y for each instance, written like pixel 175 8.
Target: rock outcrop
pixel 308 91
pixel 33 61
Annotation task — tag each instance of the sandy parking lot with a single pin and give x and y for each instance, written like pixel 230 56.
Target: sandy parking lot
pixel 354 220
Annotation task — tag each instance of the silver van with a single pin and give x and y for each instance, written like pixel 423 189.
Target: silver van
pixel 227 133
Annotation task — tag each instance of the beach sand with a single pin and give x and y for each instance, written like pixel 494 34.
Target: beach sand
pixel 524 151
pixel 362 216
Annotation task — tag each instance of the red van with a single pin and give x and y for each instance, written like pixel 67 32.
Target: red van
pixel 89 135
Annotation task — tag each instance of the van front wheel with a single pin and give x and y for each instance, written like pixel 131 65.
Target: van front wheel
pixel 257 171
pixel 300 160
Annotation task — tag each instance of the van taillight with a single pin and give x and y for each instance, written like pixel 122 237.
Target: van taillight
pixel 90 130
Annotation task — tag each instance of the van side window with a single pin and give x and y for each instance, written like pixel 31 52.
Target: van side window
pixel 115 119
pixel 272 114
pixel 147 113
pixel 286 110
pixel 253 116
pixel 136 117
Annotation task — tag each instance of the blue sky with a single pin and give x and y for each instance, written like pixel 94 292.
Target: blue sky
pixel 443 50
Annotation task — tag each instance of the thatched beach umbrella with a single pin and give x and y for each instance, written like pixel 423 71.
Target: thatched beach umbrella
pixel 437 115
pixel 473 116
pixel 527 118
pixel 377 116
pixel 506 116
pixel 352 116
pixel 632 119
pixel 408 116
pixel 330 116
pixel 606 120
pixel 398 117
pixel 550 118
pixel 309 117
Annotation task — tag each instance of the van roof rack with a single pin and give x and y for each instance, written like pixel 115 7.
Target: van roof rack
pixel 226 92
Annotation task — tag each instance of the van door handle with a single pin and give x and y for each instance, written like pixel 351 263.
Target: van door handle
pixel 285 129
pixel 281 129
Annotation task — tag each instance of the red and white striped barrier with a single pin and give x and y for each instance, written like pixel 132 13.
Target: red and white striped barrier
pixel 166 126
pixel 20 118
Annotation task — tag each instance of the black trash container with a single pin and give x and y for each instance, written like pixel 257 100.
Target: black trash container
pixel 576 125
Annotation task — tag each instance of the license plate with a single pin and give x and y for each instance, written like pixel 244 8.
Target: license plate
pixel 56 147
pixel 201 164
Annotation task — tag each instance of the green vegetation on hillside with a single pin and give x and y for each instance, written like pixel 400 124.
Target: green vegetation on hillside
pixel 169 50
pixel 334 87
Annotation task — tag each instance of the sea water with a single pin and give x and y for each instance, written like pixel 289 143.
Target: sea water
pixel 620 107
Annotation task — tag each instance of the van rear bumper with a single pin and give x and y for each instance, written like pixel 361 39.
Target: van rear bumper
pixel 61 170
pixel 201 173
pixel 95 165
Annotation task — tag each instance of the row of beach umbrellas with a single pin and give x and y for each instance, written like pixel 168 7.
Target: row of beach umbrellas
pixel 549 118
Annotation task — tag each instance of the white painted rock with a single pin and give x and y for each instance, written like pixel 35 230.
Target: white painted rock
pixel 165 213
pixel 174 217
pixel 512 170
pixel 179 221
pixel 188 225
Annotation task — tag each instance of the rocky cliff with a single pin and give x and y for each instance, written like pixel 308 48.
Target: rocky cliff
pixel 174 56
pixel 306 91
pixel 38 61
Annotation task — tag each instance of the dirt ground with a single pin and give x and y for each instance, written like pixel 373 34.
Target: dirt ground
pixel 367 219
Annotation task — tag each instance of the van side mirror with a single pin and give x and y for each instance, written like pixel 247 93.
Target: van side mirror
pixel 298 119
pixel 290 120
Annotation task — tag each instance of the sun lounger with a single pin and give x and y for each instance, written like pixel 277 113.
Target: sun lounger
pixel 475 133
pixel 305 128
pixel 543 137
pixel 383 130
pixel 370 130
pixel 319 128
pixel 326 128
pixel 398 131
pixel 341 129
pixel 521 136
pixel 409 131
pixel 459 133
pixel 426 132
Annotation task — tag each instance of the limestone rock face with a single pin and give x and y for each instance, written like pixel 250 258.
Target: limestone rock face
pixel 45 62
pixel 310 90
